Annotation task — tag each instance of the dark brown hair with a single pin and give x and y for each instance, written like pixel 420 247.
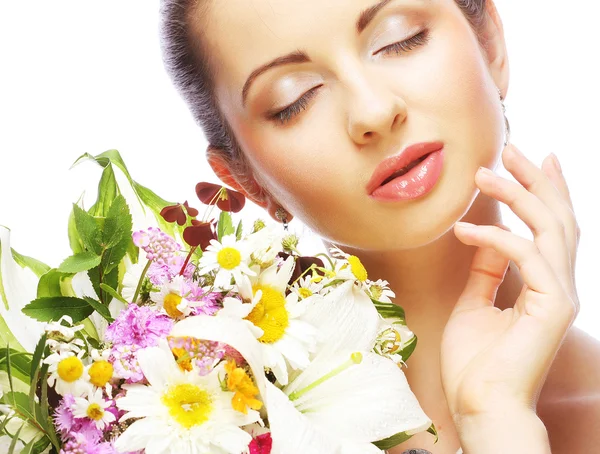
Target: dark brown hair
pixel 188 68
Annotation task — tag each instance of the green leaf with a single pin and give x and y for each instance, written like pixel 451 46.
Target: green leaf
pixel 118 223
pixel 225 225
pixel 409 348
pixel 80 262
pixel 100 308
pixel 88 230
pixel 98 277
pixel 7 337
pixel 34 265
pixel 389 310
pixel 108 190
pixel 20 402
pixel 54 307
pixel 146 197
pixel 54 283
pixel 392 441
pixel 113 256
pixel 39 446
pixel 239 231
pixel 74 239
pixel 37 356
pixel 13 444
pixel 433 431
pixel 20 364
pixel 112 292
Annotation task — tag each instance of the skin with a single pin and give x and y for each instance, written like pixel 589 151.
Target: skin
pixel 491 342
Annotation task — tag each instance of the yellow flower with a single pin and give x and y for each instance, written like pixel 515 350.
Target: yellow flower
pixel 245 391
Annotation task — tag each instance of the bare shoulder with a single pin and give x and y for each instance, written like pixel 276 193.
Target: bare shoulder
pixel 569 403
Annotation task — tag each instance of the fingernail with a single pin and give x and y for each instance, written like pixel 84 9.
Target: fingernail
pixel 486 171
pixel 466 225
pixel 556 163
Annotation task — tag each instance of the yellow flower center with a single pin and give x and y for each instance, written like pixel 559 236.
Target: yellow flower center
pixel 229 258
pixel 242 385
pixel 70 369
pixel 172 300
pixel 100 373
pixel 270 314
pixel 304 292
pixel 95 412
pixel 189 405
pixel 357 268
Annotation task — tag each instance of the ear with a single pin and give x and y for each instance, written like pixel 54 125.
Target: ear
pixel 494 46
pixel 243 182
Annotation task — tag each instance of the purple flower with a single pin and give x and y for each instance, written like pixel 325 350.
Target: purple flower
pixel 67 424
pixel 159 246
pixel 139 326
pixel 80 443
pixel 125 363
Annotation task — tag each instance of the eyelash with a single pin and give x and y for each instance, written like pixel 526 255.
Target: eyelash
pixel 294 109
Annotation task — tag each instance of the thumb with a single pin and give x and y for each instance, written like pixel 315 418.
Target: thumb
pixel 487 272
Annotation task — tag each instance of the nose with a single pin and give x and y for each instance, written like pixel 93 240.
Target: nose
pixel 374 110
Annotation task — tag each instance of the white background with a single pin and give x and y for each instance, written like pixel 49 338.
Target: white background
pixel 81 77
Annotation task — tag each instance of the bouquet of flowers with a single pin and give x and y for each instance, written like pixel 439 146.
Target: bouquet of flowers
pixel 197 335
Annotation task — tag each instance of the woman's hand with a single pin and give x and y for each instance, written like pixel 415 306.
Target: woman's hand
pixel 493 359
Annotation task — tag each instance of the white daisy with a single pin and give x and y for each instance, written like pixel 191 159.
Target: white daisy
pixel 93 407
pixel 379 290
pixel 181 412
pixel 68 374
pixel 171 298
pixel 229 257
pixel 274 319
pixel 308 286
pixel 349 268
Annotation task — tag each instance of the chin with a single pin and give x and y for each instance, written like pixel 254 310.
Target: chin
pixel 402 227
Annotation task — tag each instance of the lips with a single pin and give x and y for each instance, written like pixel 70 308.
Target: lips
pixel 395 166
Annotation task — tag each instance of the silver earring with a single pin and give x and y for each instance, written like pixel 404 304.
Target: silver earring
pixel 506 123
pixel 281 214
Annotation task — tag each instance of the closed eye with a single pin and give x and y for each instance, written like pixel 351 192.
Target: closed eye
pixel 407 45
pixel 285 115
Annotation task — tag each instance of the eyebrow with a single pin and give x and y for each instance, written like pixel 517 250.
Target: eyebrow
pixel 299 56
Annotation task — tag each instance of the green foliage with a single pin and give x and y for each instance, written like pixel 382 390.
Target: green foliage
pixel 51 308
pixel 99 307
pixel 225 225
pixel 239 231
pixel 82 261
pixel 18 362
pixel 34 265
pixel 392 441
pixel 390 310
pixel 55 283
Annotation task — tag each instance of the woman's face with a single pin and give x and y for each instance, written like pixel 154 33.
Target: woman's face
pixel 357 98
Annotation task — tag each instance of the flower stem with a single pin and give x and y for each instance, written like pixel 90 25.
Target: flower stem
pixel 139 286
pixel 187 260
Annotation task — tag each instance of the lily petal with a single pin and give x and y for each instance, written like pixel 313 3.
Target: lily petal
pixel 352 406
pixel 345 317
pixel 18 287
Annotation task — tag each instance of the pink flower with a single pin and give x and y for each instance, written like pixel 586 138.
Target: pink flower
pixel 140 326
pixel 159 246
pixel 261 444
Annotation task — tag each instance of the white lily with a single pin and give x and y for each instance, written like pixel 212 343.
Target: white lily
pixel 337 404
pixel 18 287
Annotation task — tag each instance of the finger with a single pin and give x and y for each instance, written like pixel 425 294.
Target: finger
pixel 548 230
pixel 535 270
pixel 537 182
pixel 553 170
pixel 487 272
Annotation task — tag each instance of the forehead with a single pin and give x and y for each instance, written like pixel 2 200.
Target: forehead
pixel 240 35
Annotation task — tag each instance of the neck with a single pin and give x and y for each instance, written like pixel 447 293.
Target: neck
pixel 428 281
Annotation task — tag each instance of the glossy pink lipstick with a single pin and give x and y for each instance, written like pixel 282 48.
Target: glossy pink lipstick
pixel 408 175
